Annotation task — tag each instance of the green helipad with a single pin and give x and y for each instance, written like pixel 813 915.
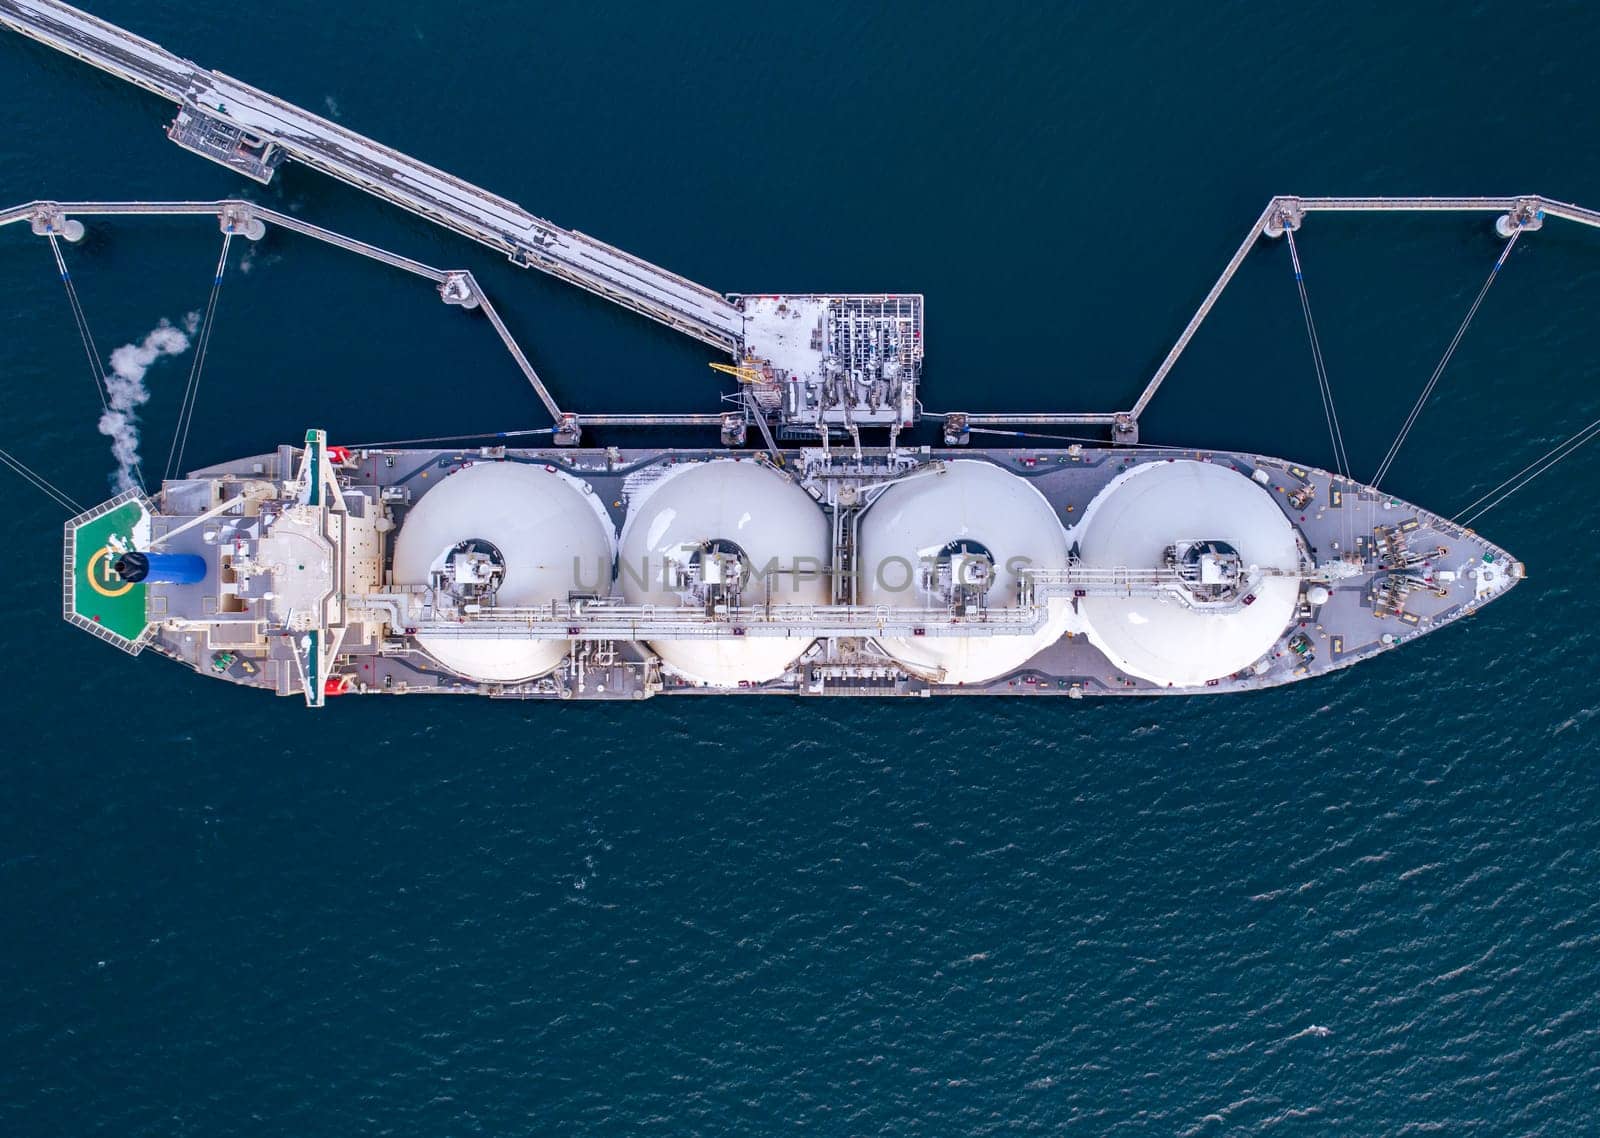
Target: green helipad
pixel 96 599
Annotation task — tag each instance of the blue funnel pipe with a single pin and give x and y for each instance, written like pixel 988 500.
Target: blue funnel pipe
pixel 161 568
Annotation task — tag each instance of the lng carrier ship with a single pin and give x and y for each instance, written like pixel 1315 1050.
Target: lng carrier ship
pixel 836 558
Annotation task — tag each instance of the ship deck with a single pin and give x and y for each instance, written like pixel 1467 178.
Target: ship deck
pixel 1333 515
pixel 93 597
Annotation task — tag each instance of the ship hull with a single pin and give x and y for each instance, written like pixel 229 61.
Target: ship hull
pixel 251 635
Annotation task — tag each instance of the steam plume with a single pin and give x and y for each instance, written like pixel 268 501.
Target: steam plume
pixel 126 391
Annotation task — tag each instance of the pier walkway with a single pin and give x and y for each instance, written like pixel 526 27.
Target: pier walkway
pixel 246 219
pixel 252 132
pixel 1286 212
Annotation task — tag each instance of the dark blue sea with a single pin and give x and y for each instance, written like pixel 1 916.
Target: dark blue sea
pixel 1367 905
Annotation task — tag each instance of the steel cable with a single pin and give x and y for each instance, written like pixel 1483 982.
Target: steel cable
pixel 41 483
pixel 1475 510
pixel 180 436
pixel 1433 380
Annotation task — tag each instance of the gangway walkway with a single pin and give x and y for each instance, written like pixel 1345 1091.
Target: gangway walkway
pixel 1285 212
pixel 248 219
pixel 614 619
pixel 252 132
pixel 237 210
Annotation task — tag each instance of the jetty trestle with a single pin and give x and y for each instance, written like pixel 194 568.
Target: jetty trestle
pixel 241 218
pixel 835 360
pixel 1286 212
pixel 47 219
pixel 827 363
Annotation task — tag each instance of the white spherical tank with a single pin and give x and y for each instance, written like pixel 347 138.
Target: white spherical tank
pixel 709 527
pixel 1158 506
pixel 538 532
pixel 973 528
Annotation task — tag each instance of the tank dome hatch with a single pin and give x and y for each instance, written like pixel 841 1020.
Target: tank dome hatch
pixel 720 535
pixel 510 534
pixel 1228 559
pixel 960 541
